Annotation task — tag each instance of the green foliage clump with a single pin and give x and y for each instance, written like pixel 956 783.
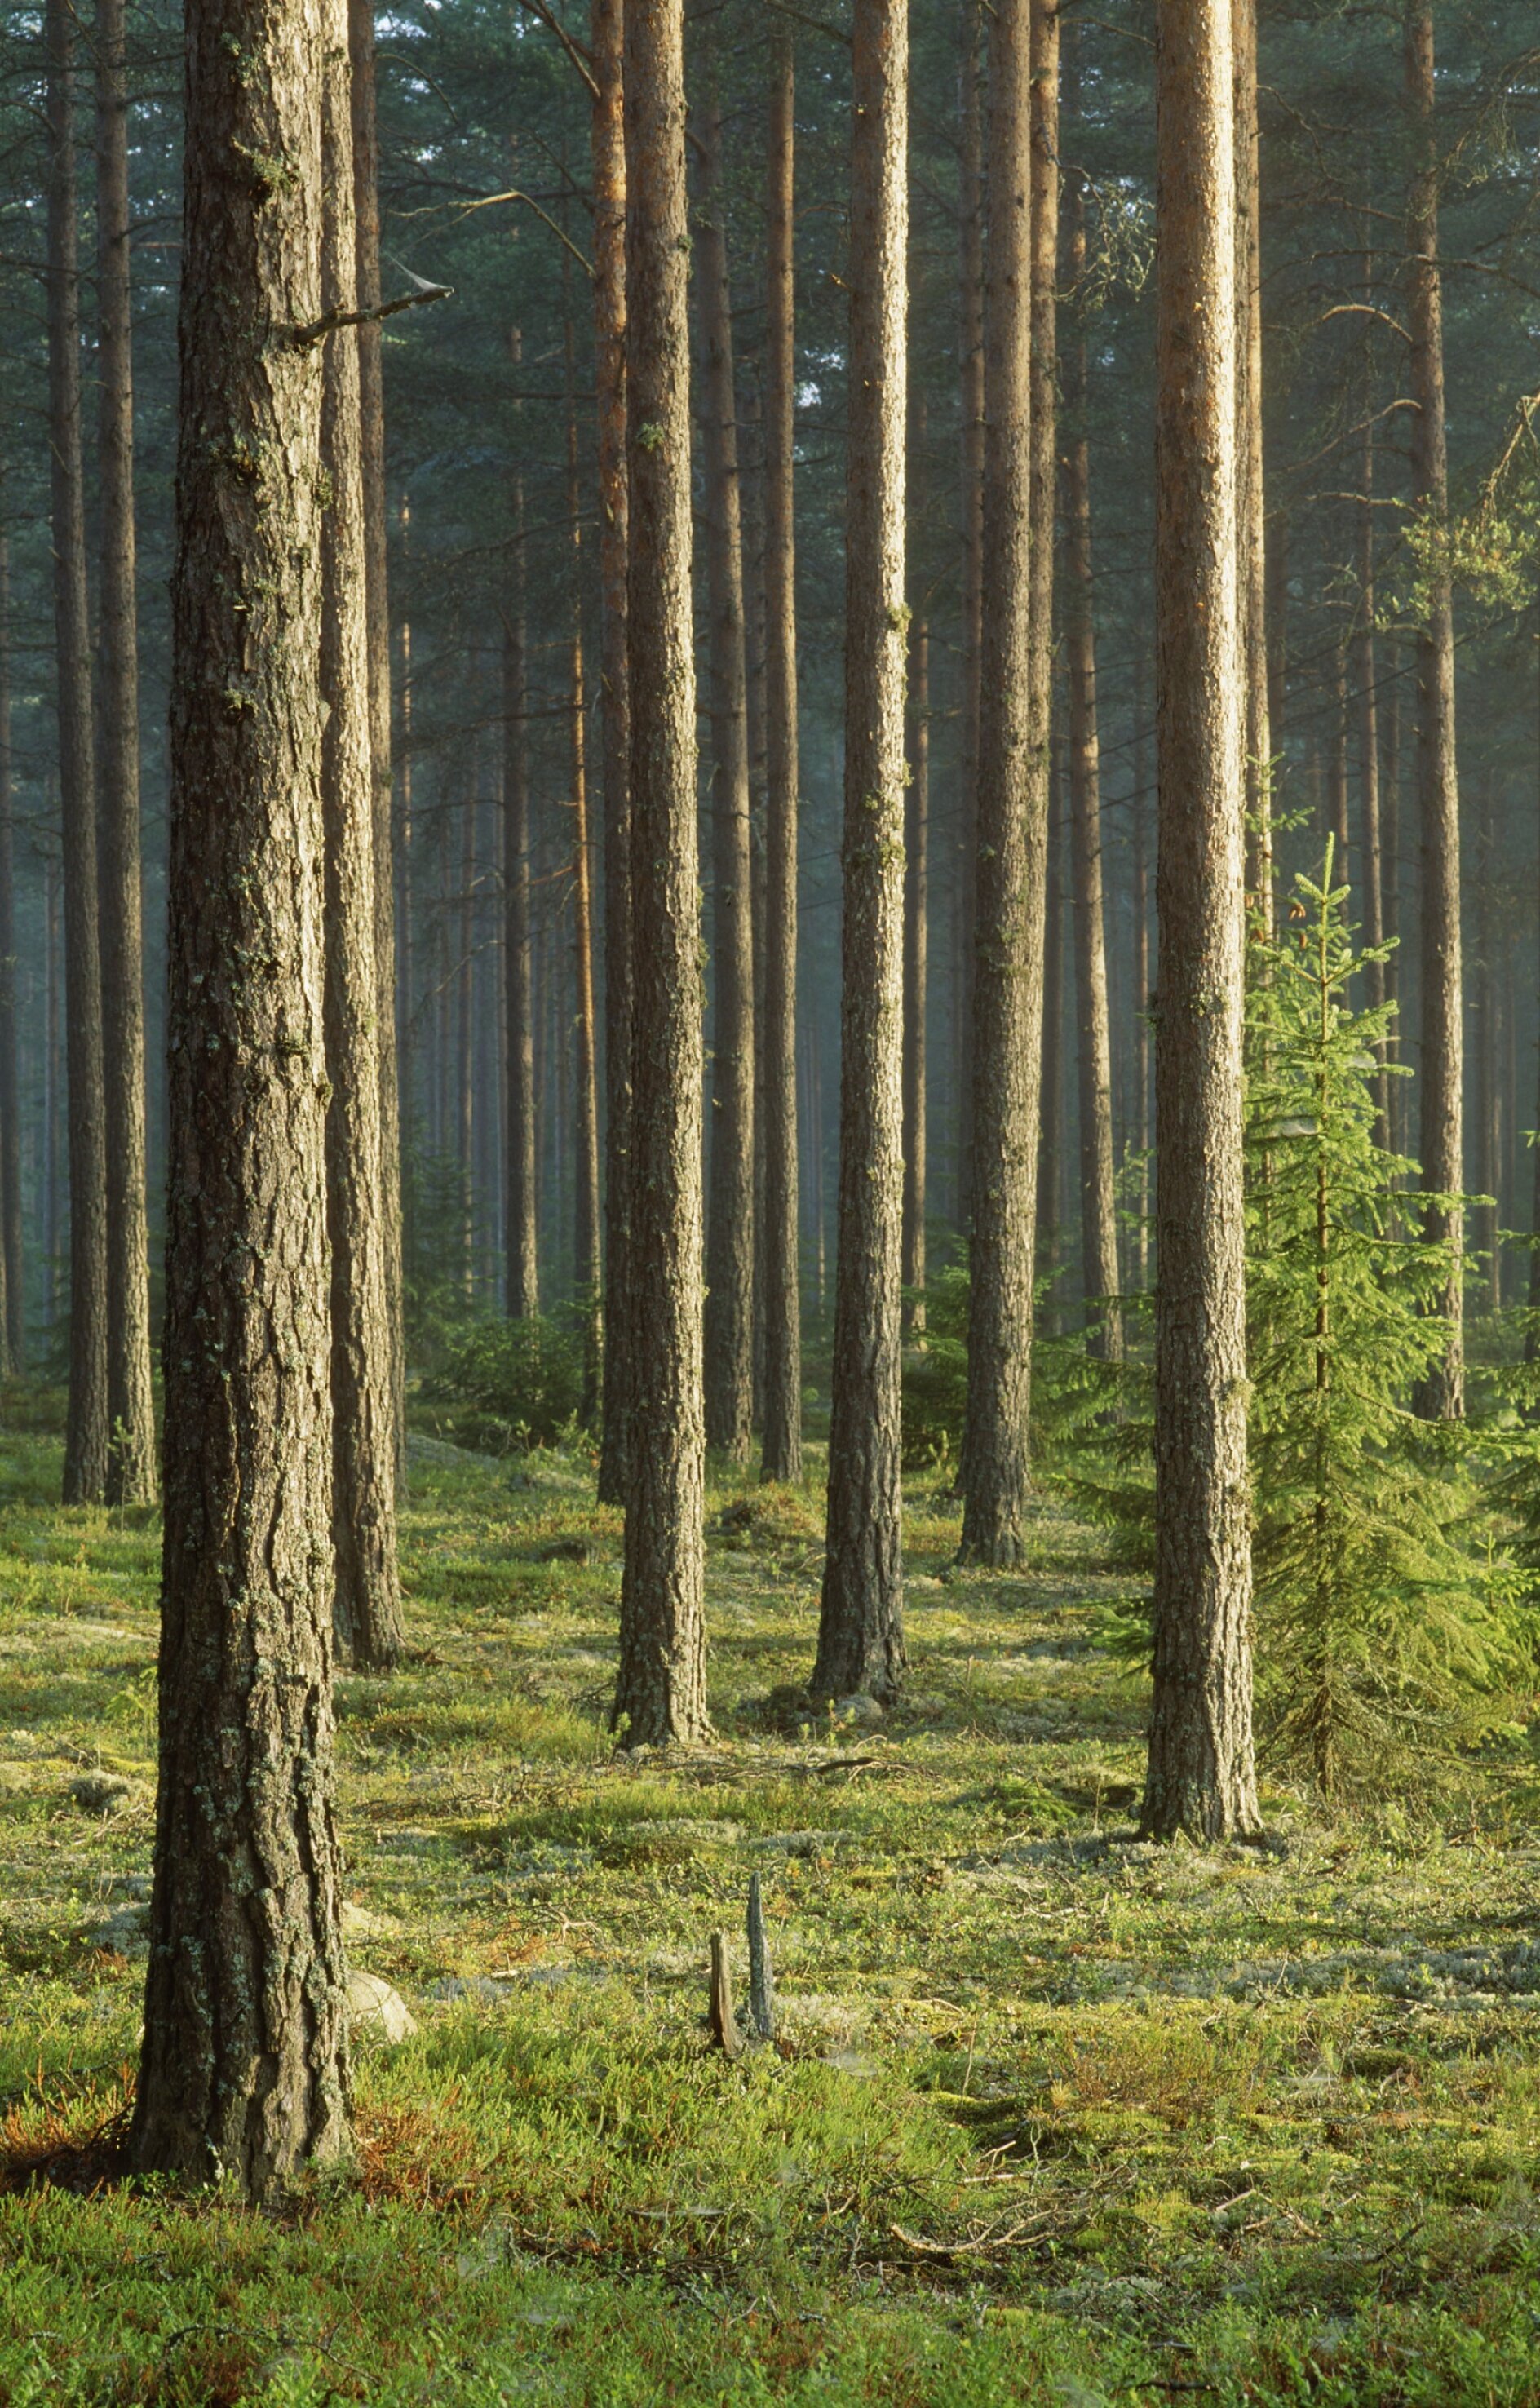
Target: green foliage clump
pixel 504 1386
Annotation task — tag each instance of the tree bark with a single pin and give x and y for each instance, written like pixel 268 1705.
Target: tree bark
pixel 1043 506
pixel 587 1272
pixel 1440 1395
pixel 661 1692
pixel 1050 1111
pixel 410 1102
pixel 782 1444
pixel 522 1176
pixel 244 2072
pixel 371 401
pixel 88 1423
pixel 1098 1199
pixel 916 964
pixel 1201 1777
pixel 1012 847
pixel 607 130
pixel 1141 985
pixel 729 1221
pixel 13 1345
pixel 860 1624
pixel 971 396
pixel 1372 881
pixel 366 1604
pixel 131 1413
pixel 1251 489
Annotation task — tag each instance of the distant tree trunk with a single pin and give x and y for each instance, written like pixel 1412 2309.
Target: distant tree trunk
pixel 1336 781
pixel 371 397
pixel 53 1102
pixel 753 623
pixel 1098 1197
pixel 1440 1395
pixel 1201 1776
pixel 916 965
pixel 406 1003
pixel 782 1450
pixel 587 1242
pixel 1481 1176
pixel 1141 983
pixel 860 1624
pixel 660 1691
pixel 88 1426
pixel 131 1459
pixel 366 1603
pixel 523 1177
pixel 1371 880
pixel 1043 509
pixel 462 1005
pixel 730 1220
pixel 1251 493
pixel 607 134
pixel 1012 844
pixel 244 2072
pixel 14 1341
pixel 1050 1143
pixel 971 372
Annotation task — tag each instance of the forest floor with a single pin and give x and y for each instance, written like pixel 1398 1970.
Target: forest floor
pixel 1053 2116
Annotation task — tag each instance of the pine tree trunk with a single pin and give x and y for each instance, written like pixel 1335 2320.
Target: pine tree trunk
pixel 1338 826
pixel 366 1603
pixel 730 1220
pixel 1008 911
pixel 523 1177
pixel 607 128
pixel 464 1007
pixel 1251 495
pixel 661 1692
pixel 860 1623
pixel 408 1004
pixel 14 1339
pixel 371 401
pixel 54 1104
pixel 1201 1775
pixel 1140 983
pixel 916 941
pixel 1050 1141
pixel 970 348
pixel 1043 506
pixel 782 1448
pixel 1481 1172
pixel 87 1424
pixel 244 2072
pixel 586 1202
pixel 1371 879
pixel 1098 1199
pixel 1440 1395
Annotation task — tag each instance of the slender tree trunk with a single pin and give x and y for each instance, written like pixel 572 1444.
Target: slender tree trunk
pixel 1043 506
pixel 916 965
pixel 1141 984
pixel 1012 844
pixel 1440 1395
pixel 1050 1143
pixel 1201 1775
pixel 1390 814
pixel 860 1623
pixel 371 400
pixel 661 1692
pixel 14 1340
pixel 729 1222
pixel 971 371
pixel 1481 1175
pixel 586 1202
pixel 244 2072
pixel 523 1180
pixel 1371 880
pixel 408 1006
pixel 1098 1199
pixel 87 1424
pixel 1337 825
pixel 367 1601
pixel 462 1004
pixel 606 30
pixel 782 1451
pixel 131 1459
pixel 753 620
pixel 1251 493
pixel 53 1105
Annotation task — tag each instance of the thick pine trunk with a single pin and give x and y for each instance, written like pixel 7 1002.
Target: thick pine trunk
pixel 970 352
pixel 244 2072
pixel 782 1443
pixel 1251 495
pixel 13 1341
pixel 1440 1395
pixel 586 1257
pixel 661 1692
pixel 367 1598
pixel 131 1463
pixel 1201 1776
pixel 523 1178
pixel 730 1218
pixel 88 1426
pixel 607 141
pixel 371 402
pixel 1009 903
pixel 860 1624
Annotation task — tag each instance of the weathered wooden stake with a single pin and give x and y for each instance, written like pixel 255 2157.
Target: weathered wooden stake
pixel 724 2022
pixel 761 1982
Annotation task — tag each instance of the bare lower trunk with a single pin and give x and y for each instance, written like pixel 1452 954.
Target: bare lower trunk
pixel 1012 844
pixel 1441 1396
pixel 782 1450
pixel 1201 1777
pixel 1050 1141
pixel 87 1424
pixel 1141 984
pixel 861 1625
pixel 1251 496
pixel 586 1246
pixel 244 2074
pixel 13 1345
pixel 522 1174
pixel 970 375
pixel 660 1691
pixel 916 965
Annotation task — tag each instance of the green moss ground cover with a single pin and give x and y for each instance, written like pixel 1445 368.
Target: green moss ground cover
pixel 1053 2116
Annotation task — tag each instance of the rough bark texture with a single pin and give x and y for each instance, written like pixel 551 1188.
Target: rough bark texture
pixel 521 1241
pixel 1251 493
pixel 607 137
pixel 368 1599
pixel 660 1691
pixel 87 1427
pixel 13 1344
pixel 586 1202
pixel 970 348
pixel 861 1626
pixel 1201 1775
pixel 1012 847
pixel 244 2071
pixel 1093 1029
pixel 782 1442
pixel 916 964
pixel 1440 1396
pixel 130 1461
pixel 371 404
pixel 730 1219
